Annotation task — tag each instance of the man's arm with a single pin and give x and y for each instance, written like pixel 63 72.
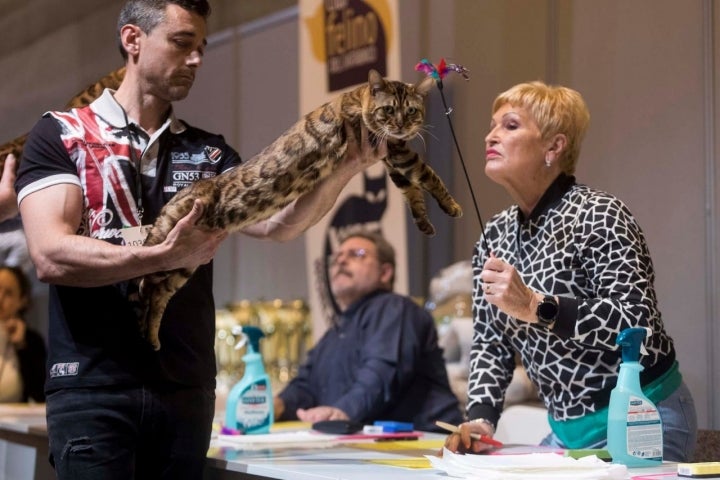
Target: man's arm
pixel 51 217
pixel 307 210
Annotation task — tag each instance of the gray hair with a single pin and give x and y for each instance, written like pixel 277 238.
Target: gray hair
pixel 147 14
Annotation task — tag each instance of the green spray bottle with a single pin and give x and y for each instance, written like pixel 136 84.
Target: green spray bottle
pixel 635 436
pixel 249 407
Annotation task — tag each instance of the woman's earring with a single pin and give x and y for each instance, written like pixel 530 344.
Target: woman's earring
pixel 548 163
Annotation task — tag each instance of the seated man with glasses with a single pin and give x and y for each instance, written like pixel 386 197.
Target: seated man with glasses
pixel 381 359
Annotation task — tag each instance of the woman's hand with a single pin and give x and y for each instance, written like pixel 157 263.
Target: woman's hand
pixel 15 330
pixel 461 442
pixel 504 288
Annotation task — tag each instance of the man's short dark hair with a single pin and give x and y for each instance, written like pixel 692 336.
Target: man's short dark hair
pixel 147 14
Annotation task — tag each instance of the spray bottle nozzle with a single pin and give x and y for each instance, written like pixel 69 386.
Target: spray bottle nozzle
pixel 632 342
pixel 250 334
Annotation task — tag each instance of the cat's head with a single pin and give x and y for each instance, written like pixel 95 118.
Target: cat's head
pixel 395 109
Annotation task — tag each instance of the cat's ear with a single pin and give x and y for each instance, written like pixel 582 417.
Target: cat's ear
pixel 424 87
pixel 375 81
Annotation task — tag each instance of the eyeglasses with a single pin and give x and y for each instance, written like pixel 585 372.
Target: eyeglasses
pixel 351 254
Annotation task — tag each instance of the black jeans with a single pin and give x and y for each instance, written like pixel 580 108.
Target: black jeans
pixel 130 433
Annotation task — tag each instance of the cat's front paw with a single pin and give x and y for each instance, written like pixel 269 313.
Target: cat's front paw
pixel 425 227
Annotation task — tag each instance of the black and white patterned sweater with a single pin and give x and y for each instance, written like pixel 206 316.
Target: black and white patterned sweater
pixel 585 246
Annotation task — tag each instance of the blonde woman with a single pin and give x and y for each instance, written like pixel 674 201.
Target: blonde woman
pixel 568 270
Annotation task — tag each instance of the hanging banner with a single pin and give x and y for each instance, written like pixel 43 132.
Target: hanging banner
pixel 340 41
pixel 355 41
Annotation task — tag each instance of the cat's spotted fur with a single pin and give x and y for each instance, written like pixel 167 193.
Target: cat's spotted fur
pixel 294 164
pixel 85 97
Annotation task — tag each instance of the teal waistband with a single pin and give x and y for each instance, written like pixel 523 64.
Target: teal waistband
pixel 591 428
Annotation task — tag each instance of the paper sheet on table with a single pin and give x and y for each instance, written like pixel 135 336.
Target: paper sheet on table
pixel 419 463
pixel 434 445
pixel 301 438
pixel 289 425
pixel 533 466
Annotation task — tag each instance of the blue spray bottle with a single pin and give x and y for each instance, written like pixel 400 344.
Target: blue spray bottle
pixel 249 406
pixel 634 432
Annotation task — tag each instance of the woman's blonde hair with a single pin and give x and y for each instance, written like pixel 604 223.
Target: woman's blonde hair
pixel 555 109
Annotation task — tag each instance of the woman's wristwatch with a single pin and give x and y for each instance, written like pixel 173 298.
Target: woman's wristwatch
pixel 547 311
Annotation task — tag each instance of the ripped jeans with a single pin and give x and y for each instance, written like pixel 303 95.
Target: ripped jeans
pixel 129 433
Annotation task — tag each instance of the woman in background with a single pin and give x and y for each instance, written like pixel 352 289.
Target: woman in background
pixel 22 350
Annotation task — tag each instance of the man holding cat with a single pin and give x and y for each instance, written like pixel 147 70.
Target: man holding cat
pixel 381 359
pixel 91 181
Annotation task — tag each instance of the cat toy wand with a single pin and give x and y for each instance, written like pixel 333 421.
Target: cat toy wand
pixel 438 73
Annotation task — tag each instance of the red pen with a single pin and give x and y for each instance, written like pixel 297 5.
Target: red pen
pixel 483 438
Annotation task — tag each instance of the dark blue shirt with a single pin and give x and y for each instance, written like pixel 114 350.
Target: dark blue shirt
pixel 380 362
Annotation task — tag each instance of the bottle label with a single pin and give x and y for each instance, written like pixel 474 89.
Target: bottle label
pixel 644 430
pixel 253 407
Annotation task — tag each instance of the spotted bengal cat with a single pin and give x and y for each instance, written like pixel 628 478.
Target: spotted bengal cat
pixel 85 97
pixel 294 164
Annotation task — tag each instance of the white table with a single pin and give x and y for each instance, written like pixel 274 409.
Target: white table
pixel 347 461
pixel 23 456
pixel 23 442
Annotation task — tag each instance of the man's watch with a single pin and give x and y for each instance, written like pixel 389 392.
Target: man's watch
pixel 547 311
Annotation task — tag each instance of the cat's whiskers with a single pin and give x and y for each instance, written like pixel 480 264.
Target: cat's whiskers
pixel 426 130
pixel 422 140
pixel 389 134
pixel 383 135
